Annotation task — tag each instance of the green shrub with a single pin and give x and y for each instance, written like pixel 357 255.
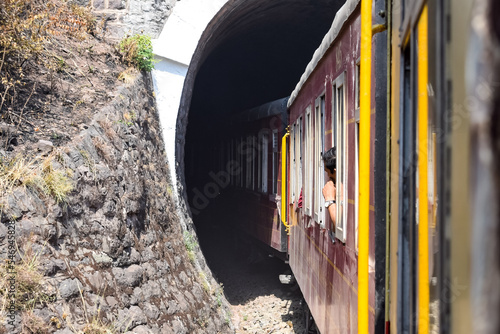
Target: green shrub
pixel 137 51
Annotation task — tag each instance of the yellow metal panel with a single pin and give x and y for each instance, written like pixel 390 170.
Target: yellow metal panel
pixel 423 146
pixel 364 163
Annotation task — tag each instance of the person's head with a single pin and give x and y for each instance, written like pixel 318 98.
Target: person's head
pixel 330 161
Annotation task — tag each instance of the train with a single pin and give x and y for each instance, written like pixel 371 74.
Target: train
pixel 387 88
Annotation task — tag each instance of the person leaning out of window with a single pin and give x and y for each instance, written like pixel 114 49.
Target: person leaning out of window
pixel 329 190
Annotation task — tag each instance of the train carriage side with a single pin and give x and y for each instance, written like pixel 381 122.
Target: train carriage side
pixel 253 143
pixel 324 112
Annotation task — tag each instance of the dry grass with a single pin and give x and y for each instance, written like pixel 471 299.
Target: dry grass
pixel 92 324
pixel 33 324
pixel 30 290
pixel 107 126
pixel 103 150
pixel 129 75
pixel 26 28
pixel 35 173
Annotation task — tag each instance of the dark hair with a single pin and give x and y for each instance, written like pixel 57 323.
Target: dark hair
pixel 330 159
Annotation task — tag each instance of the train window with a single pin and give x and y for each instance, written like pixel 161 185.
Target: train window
pixel 297 160
pixel 221 156
pixel 234 176
pixel 249 161
pixel 300 144
pixel 293 164
pixel 356 105
pixel 242 160
pixel 259 163
pixel 255 165
pixel 265 150
pixel 275 161
pixel 356 180
pixel 339 124
pixel 356 157
pixel 230 158
pixel 308 150
pixel 318 162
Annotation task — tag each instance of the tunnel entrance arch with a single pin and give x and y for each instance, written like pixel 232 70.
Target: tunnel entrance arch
pixel 250 53
pixel 220 57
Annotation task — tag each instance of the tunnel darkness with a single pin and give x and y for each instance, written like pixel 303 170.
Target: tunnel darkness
pixel 252 52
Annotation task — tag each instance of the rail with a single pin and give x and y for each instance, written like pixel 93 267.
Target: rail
pixel 364 163
pixel 284 181
pixel 423 144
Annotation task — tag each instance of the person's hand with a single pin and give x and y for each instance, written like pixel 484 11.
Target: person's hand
pixel 329 191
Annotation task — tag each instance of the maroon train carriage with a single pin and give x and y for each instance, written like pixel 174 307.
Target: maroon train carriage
pixel 324 112
pixel 252 146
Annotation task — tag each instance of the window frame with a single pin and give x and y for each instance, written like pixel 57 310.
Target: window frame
pixel 254 163
pixel 248 181
pixel 308 169
pixel 339 121
pixel 319 170
pixel 356 155
pixel 265 161
pixel 241 182
pixel 293 164
pixel 275 161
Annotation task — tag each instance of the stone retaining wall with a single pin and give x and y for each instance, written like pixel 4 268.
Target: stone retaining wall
pixel 115 249
pixel 120 17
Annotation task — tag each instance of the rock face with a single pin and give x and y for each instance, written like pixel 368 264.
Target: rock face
pixel 115 245
pixel 131 16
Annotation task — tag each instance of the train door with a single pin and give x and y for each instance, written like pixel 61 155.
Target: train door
pixel 407 175
pixel 418 300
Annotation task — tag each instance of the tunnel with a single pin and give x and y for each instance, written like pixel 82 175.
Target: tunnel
pixel 251 53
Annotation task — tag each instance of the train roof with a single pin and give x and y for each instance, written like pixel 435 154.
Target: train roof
pixel 272 108
pixel 340 19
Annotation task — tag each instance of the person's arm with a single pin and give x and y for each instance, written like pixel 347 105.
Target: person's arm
pixel 329 193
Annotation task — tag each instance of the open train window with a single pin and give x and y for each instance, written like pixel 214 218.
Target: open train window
pixel 255 165
pixel 265 150
pixel 275 161
pixel 407 198
pixel 339 133
pixel 248 158
pixel 300 150
pixel 308 150
pixel 357 83
pixel 319 131
pixel 259 163
pixel 298 158
pixel 241 144
pixel 293 164
pixel 356 157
